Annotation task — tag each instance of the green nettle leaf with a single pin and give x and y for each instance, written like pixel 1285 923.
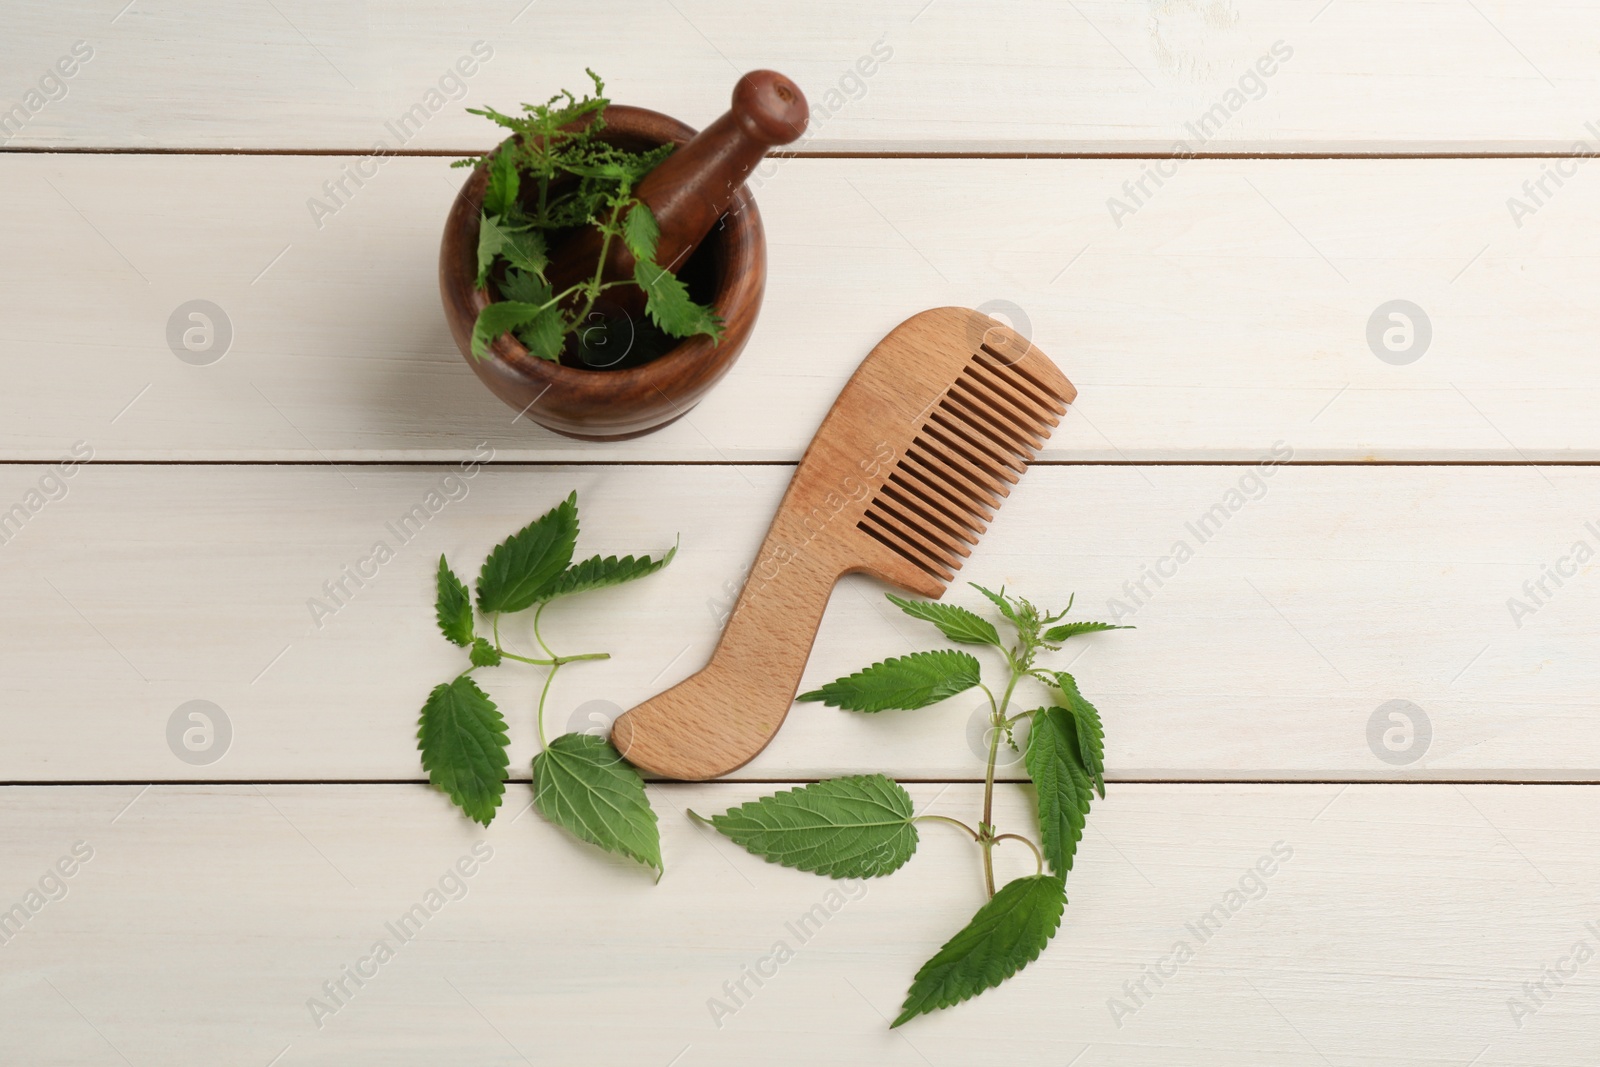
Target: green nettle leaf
pixel 1006 935
pixel 1057 634
pixel 521 247
pixel 492 230
pixel 484 654
pixel 999 600
pixel 856 827
pixel 523 564
pixel 488 245
pixel 580 783
pixel 640 232
pixel 668 305
pixel 504 183
pixel 524 249
pixel 1062 782
pixel 462 737
pixel 1091 735
pixel 524 288
pixel 611 170
pixel 546 335
pixel 501 317
pixel 453 608
pixel 956 623
pixel 913 681
pixel 597 573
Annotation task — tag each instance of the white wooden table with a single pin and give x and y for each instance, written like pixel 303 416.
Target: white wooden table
pixel 1206 318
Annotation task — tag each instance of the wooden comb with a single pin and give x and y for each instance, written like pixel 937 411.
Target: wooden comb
pixel 905 471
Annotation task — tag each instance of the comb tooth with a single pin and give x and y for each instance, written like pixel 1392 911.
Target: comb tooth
pixel 984 402
pixel 914 523
pixel 887 537
pixel 959 474
pixel 1007 408
pixel 950 477
pixel 918 529
pixel 1019 398
pixel 1019 403
pixel 955 457
pixel 1057 402
pixel 1009 441
pixel 978 457
pixel 967 520
pixel 970 388
pixel 917 547
pixel 974 401
pixel 929 516
pixel 1023 387
pixel 943 490
pixel 980 442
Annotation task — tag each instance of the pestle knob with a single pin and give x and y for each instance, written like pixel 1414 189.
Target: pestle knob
pixel 691 189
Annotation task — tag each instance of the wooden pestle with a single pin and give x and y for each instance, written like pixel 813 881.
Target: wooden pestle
pixel 689 191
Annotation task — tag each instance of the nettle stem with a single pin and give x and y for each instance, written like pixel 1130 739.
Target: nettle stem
pixel 555 663
pixel 543 694
pixel 1038 856
pixel 986 839
pixel 948 819
pixel 998 724
pixel 593 288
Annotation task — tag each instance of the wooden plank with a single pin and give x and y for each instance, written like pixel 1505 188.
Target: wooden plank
pixel 1029 76
pixel 175 945
pixel 1231 311
pixel 1267 653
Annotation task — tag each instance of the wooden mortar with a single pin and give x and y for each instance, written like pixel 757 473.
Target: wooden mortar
pixel 699 188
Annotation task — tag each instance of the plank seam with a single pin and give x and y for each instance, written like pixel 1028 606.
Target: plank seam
pixel 541 463
pixel 455 153
pixel 203 782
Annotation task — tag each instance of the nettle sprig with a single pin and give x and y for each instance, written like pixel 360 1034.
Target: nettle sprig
pixel 865 827
pixel 552 174
pixel 580 782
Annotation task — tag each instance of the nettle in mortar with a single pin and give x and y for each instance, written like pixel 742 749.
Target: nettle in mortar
pixel 864 826
pixel 579 781
pixel 551 176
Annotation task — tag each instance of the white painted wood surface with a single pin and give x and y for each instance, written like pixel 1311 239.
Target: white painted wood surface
pixel 1093 75
pixel 1205 319
pixel 1229 312
pixel 209 916
pixel 1332 592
